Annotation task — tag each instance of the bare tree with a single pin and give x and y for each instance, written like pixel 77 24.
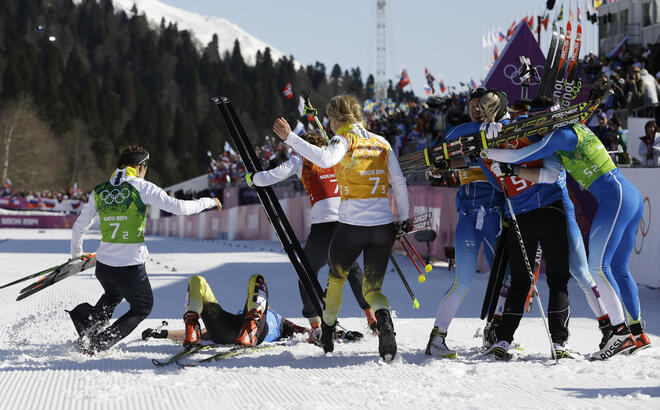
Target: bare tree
pixel 12 118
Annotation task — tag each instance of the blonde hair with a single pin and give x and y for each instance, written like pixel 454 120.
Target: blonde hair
pixel 345 109
pixel 314 139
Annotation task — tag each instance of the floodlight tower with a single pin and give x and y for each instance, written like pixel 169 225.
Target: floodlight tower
pixel 381 36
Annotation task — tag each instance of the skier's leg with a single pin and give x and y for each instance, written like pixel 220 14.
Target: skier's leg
pixel 346 245
pixel 105 306
pixel 254 328
pixel 619 263
pixel 316 251
pixel 579 267
pixel 467 249
pixel 520 280
pixel 134 285
pixel 355 280
pixel 604 237
pixel 554 243
pixel 376 257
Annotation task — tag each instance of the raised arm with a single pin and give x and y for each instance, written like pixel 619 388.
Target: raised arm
pixel 292 166
pixel 155 196
pixel 564 139
pixel 324 157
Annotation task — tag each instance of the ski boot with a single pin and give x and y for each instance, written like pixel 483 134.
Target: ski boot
pixel 325 337
pixel 386 335
pixel 437 346
pixel 616 339
pixel 192 330
pixel 371 321
pixel 489 332
pixel 315 333
pixel 499 350
pixel 562 351
pixel 247 336
pixel 642 340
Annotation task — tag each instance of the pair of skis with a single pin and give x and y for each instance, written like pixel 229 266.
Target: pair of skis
pixel 560 73
pixel 472 144
pixel 272 205
pixel 53 275
pixel 197 348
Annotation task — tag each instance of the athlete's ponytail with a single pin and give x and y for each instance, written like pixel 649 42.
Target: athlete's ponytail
pixel 344 109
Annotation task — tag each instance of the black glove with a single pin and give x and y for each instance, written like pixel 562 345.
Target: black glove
pixel 403 227
pixel 349 335
pixel 156 334
pixel 501 169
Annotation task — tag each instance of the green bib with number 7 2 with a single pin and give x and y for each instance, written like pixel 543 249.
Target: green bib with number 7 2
pixel 122 213
pixel 588 160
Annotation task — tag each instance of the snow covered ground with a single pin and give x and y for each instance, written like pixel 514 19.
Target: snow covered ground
pixel 38 369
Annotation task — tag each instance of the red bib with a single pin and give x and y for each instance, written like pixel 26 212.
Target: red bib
pixel 320 183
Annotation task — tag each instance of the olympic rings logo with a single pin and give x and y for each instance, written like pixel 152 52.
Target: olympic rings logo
pixel 114 196
pixel 512 72
pixel 643 226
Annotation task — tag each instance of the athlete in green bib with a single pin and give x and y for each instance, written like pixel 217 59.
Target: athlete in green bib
pixel 612 233
pixel 121 206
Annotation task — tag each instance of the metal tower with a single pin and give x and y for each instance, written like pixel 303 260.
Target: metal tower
pixel 381 34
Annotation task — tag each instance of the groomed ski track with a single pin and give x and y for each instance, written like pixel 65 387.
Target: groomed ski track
pixel 38 370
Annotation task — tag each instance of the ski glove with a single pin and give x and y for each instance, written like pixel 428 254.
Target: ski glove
pixel 155 333
pixel 500 169
pixel 248 179
pixel 403 227
pixel 348 335
pixel 491 130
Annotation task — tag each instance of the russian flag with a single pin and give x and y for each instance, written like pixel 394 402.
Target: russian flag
pixel 472 83
pixel 495 53
pixel 443 88
pixel 427 89
pixel 288 91
pixel 502 37
pixel 404 80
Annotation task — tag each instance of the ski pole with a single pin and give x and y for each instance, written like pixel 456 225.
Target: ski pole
pixel 427 266
pixel 405 282
pixel 516 228
pixel 421 278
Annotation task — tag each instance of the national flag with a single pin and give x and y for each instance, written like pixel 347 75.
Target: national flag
pixel 301 105
pixel 404 80
pixel 511 30
pixel 7 183
pixel 33 202
pixel 443 87
pixel 229 149
pixel 618 49
pixel 427 89
pixel 472 83
pixel 579 13
pixel 288 91
pixel 560 17
pixel 545 21
pixel 429 80
pixel 495 53
pixel 299 129
pixel 530 22
pixel 493 37
pixel 501 36
pixel 76 205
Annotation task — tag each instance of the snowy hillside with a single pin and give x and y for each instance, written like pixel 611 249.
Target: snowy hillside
pixel 38 369
pixel 203 27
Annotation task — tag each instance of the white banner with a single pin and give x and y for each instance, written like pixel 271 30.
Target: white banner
pixel 645 258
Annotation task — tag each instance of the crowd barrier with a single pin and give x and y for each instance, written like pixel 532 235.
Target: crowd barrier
pixel 38 220
pixel 249 222
pixel 21 203
pixel 242 219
